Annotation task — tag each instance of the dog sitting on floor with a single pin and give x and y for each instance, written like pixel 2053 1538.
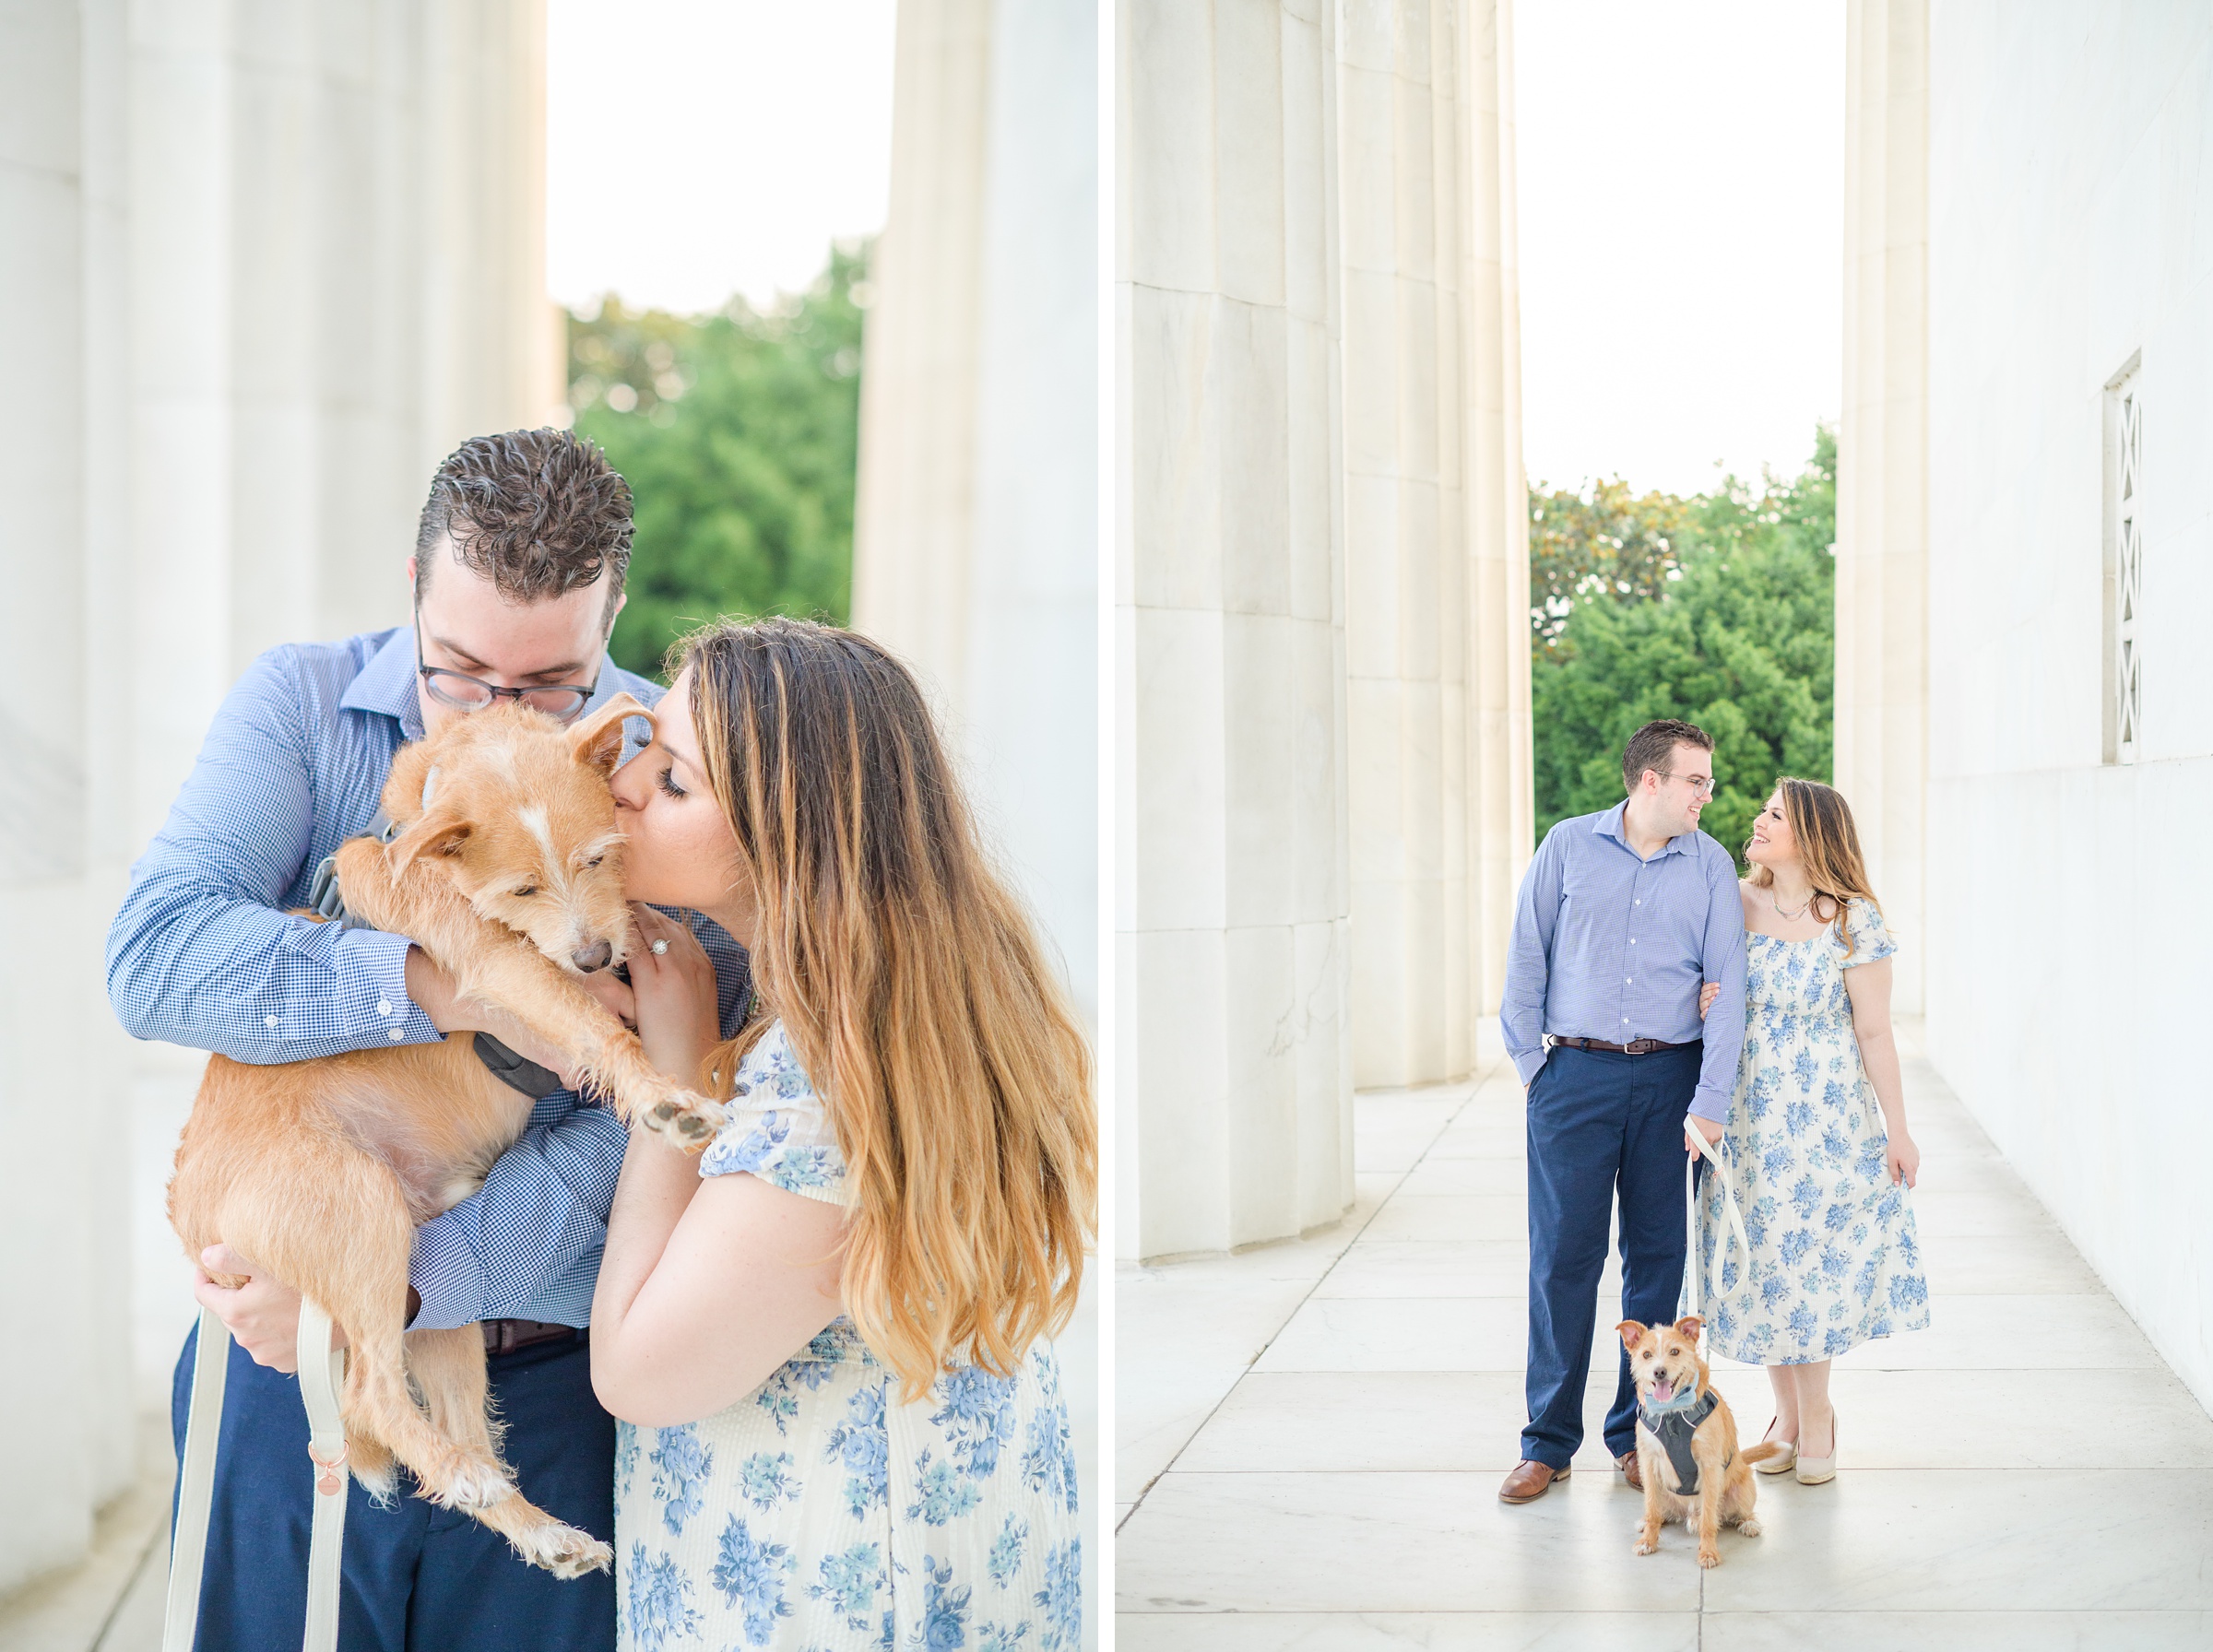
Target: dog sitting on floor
pixel 1686 1445
pixel 507 870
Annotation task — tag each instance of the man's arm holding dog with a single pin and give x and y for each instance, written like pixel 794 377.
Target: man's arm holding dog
pixel 200 953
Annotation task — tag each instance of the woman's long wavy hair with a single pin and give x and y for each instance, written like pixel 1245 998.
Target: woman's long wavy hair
pixel 913 990
pixel 1828 848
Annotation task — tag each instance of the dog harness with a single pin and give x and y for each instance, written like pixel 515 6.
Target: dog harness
pixel 1673 1425
pixel 516 1071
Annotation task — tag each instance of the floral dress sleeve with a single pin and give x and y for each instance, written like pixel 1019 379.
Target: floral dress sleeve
pixel 1871 942
pixel 777 1128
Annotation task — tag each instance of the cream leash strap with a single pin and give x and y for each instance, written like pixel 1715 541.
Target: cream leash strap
pixel 321 1371
pixel 1711 1154
pixel 196 1483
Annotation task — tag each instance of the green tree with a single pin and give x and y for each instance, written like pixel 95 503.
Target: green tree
pixel 1738 636
pixel 738 433
pixel 1611 544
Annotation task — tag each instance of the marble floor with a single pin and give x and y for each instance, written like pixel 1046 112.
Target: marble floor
pixel 1310 1438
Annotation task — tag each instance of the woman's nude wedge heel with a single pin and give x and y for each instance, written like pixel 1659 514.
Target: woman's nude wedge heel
pixel 1819 1470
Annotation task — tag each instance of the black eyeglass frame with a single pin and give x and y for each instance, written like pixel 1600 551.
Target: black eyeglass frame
pixel 429 674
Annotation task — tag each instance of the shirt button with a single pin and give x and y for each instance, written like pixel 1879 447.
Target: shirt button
pixel 396 1035
pixel 384 1006
pixel 270 1022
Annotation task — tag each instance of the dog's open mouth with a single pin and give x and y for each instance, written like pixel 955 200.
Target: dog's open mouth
pixel 1662 1390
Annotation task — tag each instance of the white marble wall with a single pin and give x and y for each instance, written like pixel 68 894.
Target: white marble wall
pixel 2070 227
pixel 271 266
pixel 1882 685
pixel 1430 623
pixel 1235 1066
pixel 975 539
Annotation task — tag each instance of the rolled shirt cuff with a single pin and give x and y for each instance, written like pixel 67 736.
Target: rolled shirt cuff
pixel 449 1278
pixel 383 961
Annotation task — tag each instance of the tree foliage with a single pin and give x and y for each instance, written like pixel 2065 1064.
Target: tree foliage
pixel 1611 544
pixel 1728 622
pixel 738 433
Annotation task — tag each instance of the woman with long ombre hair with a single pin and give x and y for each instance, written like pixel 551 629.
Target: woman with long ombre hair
pixel 1815 1139
pixel 841 1422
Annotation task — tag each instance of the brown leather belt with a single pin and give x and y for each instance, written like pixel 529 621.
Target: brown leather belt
pixel 504 1336
pixel 1636 1046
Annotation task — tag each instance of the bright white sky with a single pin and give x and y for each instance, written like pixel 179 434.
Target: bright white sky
pixel 1681 174
pixel 695 149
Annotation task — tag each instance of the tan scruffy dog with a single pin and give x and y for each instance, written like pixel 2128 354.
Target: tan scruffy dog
pixel 508 871
pixel 1687 1440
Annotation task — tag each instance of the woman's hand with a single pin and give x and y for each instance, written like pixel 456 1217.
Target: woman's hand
pixel 1707 994
pixel 1903 1158
pixel 679 1019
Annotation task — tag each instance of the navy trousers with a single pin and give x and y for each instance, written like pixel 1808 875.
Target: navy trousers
pixel 1600 1125
pixel 414 1579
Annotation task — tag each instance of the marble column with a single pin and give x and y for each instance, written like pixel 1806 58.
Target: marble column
pixel 975 539
pixel 1882 467
pixel 1234 1064
pixel 1502 795
pixel 276 266
pixel 1434 647
pixel 337 275
pixel 67 1429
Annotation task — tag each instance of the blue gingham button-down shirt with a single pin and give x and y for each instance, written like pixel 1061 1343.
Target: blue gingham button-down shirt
pixel 1610 946
pixel 202 953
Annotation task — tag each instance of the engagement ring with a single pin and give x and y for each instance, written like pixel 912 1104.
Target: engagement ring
pixel 659 948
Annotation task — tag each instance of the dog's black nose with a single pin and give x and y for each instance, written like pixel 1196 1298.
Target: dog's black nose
pixel 594 957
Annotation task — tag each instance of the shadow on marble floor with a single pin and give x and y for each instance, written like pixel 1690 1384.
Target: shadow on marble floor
pixel 1311 1435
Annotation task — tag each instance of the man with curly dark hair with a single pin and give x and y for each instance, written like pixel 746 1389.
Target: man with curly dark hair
pixel 516 578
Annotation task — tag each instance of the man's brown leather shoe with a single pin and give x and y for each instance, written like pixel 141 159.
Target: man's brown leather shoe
pixel 1631 1471
pixel 1528 1482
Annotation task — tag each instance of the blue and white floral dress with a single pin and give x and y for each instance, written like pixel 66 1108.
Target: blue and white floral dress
pixel 819 1513
pixel 1835 1259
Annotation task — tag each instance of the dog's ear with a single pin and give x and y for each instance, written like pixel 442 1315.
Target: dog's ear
pixel 440 832
pixel 1690 1325
pixel 1632 1332
pixel 596 740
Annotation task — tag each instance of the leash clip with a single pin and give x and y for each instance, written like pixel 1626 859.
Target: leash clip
pixel 329 1482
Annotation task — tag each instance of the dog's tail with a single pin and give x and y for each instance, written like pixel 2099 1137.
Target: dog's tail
pixel 1763 1450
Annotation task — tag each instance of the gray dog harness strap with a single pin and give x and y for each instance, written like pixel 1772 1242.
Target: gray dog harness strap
pixel 1673 1428
pixel 324 899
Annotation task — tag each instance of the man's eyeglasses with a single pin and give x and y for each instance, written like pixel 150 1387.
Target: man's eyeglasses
pixel 468 693
pixel 1701 785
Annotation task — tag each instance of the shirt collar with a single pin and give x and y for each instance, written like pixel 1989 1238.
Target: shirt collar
pixel 1609 825
pixel 386 684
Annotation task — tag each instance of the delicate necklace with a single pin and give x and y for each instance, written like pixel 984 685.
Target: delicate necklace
pixel 1784 913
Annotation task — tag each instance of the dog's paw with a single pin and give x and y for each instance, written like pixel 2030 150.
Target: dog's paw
pixel 689 1122
pixel 1647 1545
pixel 564 1550
pixel 1748 1526
pixel 1709 1557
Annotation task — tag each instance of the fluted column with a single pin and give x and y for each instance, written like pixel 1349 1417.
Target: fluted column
pixel 1234 1073
pixel 337 275
pixel 975 537
pixel 66 1437
pixel 1502 799
pixel 242 237
pixel 1882 466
